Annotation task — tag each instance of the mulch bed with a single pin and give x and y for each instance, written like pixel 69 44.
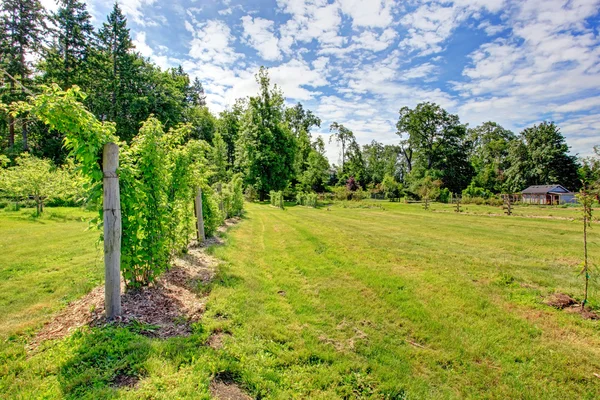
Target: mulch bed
pixel 164 309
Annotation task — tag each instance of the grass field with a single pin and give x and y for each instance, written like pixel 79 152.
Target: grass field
pixel 44 263
pixel 341 303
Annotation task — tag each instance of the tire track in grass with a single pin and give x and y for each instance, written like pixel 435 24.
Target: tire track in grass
pixel 495 311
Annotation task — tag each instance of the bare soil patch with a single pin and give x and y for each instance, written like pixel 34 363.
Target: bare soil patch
pixel 121 381
pixel 166 308
pixel 560 301
pixel 224 390
pixel 215 340
pixel 565 302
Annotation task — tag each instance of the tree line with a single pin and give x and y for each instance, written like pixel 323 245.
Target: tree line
pixel 260 139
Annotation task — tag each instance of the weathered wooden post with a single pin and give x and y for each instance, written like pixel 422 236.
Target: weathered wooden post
pixel 112 232
pixel 200 218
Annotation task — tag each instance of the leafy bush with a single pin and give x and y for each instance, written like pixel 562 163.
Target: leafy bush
pixel 233 197
pixel 250 194
pixel 276 199
pixel 445 196
pixel 342 193
pixel 210 211
pixel 474 191
pixel 360 195
pixel 307 199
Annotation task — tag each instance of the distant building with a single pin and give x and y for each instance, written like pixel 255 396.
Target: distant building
pixel 547 194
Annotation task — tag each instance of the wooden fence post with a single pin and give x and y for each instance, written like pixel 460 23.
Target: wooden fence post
pixel 200 217
pixel 112 232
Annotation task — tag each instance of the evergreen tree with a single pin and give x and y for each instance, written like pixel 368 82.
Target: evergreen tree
pixel 120 70
pixel 22 23
pixel 196 96
pixel 66 60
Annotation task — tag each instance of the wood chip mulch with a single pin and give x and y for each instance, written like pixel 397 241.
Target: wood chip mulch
pixel 165 309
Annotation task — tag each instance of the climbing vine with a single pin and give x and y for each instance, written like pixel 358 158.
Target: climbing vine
pixel 159 173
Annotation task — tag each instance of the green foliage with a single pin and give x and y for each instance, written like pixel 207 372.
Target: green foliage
pixel 233 197
pixel 158 174
pixel 250 194
pixel 34 178
pixel 473 191
pixel 428 189
pixel 213 217
pixel 433 139
pixel 489 155
pixel 540 156
pixel 276 199
pixel 265 147
pixel 392 190
pixel 307 199
pixel 316 172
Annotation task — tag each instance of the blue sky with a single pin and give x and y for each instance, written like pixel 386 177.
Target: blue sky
pixel 358 62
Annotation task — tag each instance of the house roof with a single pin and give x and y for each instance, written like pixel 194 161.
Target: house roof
pixel 543 189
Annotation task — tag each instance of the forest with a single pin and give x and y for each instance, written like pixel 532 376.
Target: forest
pixel 267 141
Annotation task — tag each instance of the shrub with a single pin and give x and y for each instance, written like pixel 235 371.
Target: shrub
pixel 307 199
pixel 276 199
pixel 360 195
pixel 341 193
pixel 250 194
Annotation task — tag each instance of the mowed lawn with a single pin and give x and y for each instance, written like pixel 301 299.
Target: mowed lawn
pixel 44 263
pixel 348 302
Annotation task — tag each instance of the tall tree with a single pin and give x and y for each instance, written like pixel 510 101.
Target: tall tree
pixel 300 122
pixel 490 143
pixel 196 95
pixel 266 147
pixel 229 124
pixel 434 139
pixel 343 136
pixel 119 71
pixel 66 59
pixel 540 156
pixel 22 23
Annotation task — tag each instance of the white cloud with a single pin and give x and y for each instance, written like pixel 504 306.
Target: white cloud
pixel 310 20
pixel 368 13
pixel 211 43
pixel 259 33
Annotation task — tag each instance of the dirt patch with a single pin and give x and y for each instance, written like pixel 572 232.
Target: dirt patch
pixel 224 390
pixel 560 301
pixel 122 381
pixel 585 313
pixel 165 309
pixel 215 341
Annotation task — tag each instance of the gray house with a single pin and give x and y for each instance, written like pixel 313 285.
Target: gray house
pixel 547 194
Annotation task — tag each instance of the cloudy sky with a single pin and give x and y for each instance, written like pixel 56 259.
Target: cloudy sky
pixel 357 62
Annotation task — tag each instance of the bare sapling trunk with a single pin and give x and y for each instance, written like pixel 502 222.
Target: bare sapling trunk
pixel 585 262
pixel 200 218
pixel 587 216
pixel 112 231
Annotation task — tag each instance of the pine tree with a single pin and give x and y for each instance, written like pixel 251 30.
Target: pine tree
pixel 66 59
pixel 120 70
pixel 22 23
pixel 196 94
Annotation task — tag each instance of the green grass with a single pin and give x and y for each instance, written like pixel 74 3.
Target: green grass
pixel 45 262
pixel 391 302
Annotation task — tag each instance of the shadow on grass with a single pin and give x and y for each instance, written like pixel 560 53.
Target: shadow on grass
pixel 103 360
